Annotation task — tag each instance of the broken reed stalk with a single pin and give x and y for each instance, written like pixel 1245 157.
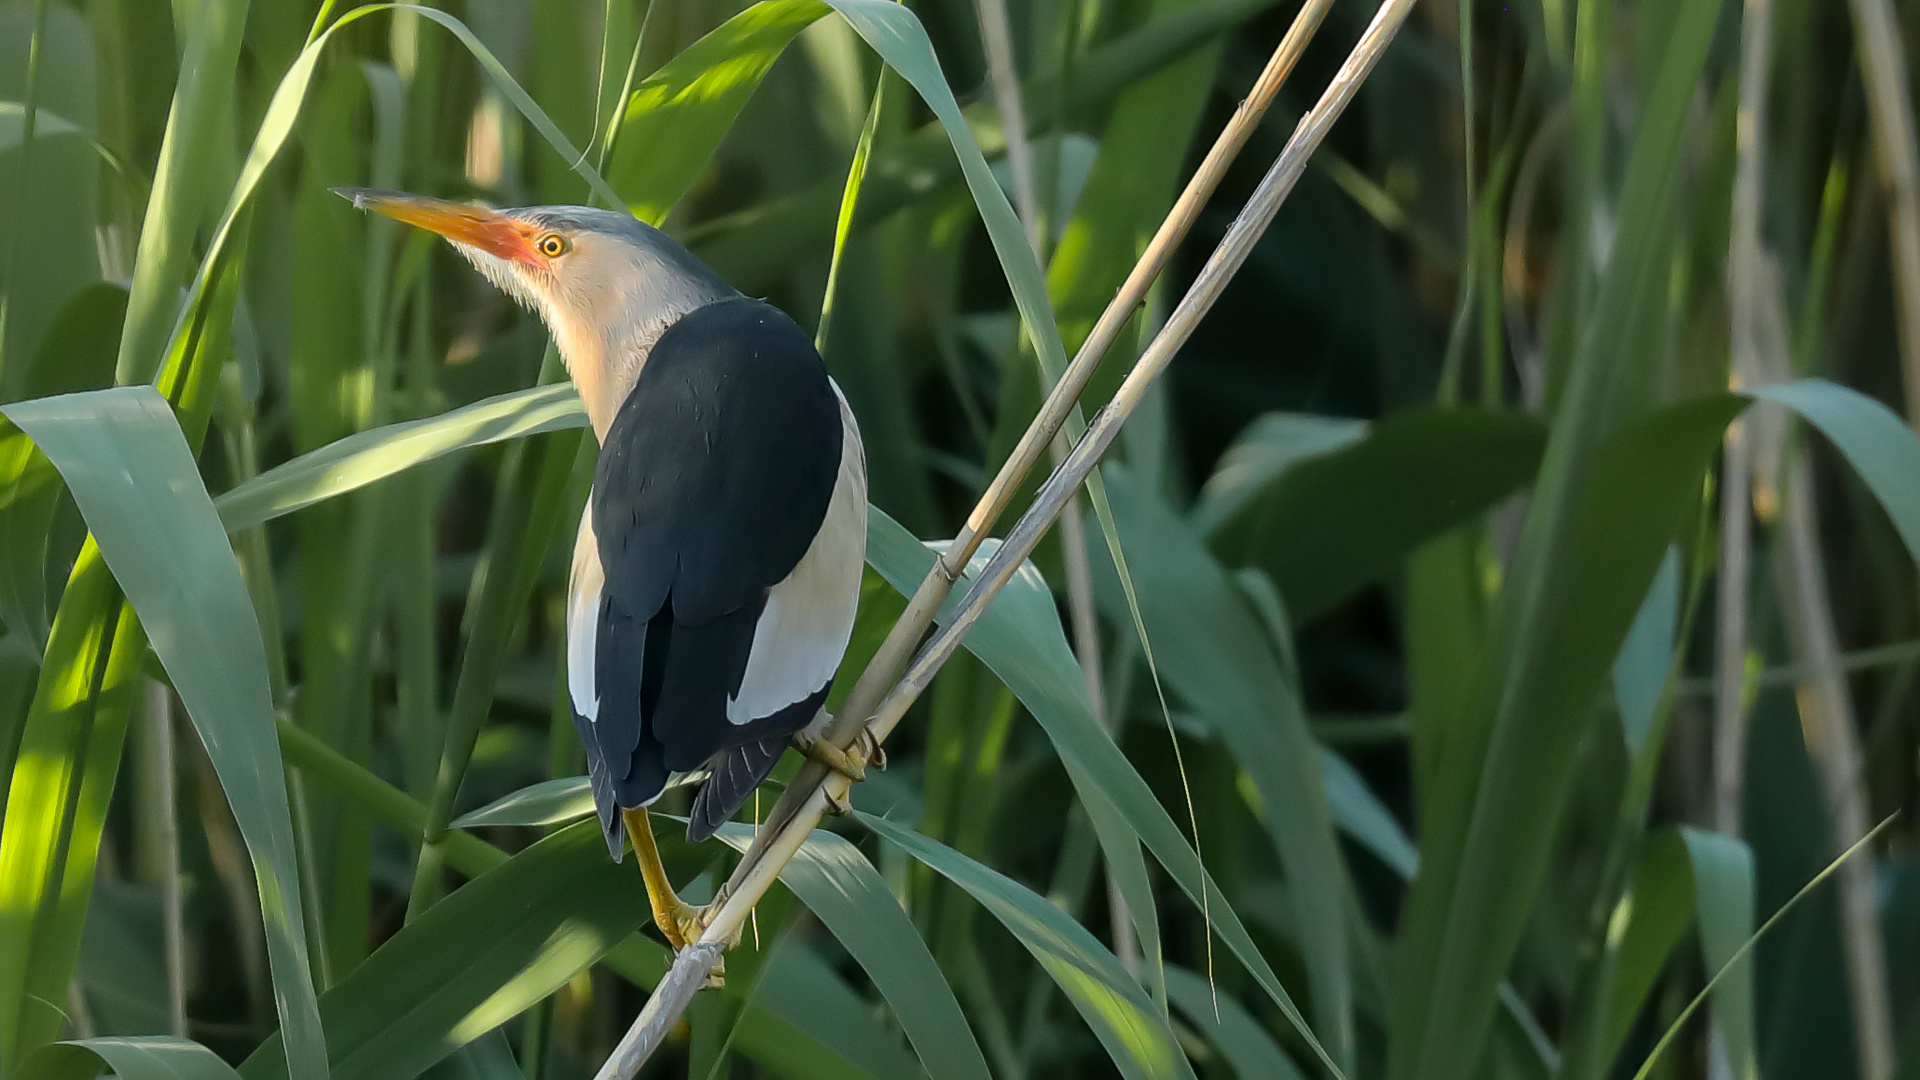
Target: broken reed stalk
pixel 808 797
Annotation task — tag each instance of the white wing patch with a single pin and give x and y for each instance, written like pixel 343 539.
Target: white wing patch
pixel 583 617
pixel 803 632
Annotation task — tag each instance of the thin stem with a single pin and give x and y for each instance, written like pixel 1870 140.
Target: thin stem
pixel 28 117
pixel 1730 635
pixel 1736 479
pixel 1833 741
pixel 165 823
pixel 849 206
pixel 1884 68
pixel 996 38
pixel 1740 955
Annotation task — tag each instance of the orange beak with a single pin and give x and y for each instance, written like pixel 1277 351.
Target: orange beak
pixel 476 226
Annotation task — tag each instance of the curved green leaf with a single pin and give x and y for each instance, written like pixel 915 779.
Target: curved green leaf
pixel 549 802
pixel 893 32
pixel 134 478
pixel 1364 817
pixel 832 878
pixel 1230 1028
pixel 1326 521
pixel 129 1058
pixel 757 247
pixel 1723 904
pixel 678 115
pixel 1882 450
pixel 375 454
pixel 1490 825
pixel 476 959
pixel 1266 448
pixel 1219 659
pixel 276 126
pixel 46 123
pixel 1136 1037
pixel 1640 672
pixel 806 1023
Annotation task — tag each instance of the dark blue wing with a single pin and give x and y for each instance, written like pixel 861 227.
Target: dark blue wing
pixel 713 480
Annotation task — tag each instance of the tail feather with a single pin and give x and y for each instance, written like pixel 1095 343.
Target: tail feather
pixel 736 773
pixel 605 802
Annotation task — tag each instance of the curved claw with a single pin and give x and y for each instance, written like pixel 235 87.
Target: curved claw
pixel 852 762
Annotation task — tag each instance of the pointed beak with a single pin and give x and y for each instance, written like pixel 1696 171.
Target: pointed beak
pixel 476 226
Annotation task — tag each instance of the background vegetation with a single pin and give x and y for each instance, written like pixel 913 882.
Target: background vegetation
pixel 1501 705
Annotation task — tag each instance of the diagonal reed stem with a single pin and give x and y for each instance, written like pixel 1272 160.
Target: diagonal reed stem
pixel 808 796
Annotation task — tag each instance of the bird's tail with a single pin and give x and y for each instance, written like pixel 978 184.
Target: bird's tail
pixel 737 771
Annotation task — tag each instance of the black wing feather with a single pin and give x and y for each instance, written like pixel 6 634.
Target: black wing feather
pixel 713 480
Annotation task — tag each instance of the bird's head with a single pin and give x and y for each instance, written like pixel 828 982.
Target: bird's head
pixel 606 284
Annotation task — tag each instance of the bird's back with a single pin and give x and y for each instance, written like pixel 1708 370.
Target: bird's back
pixel 718 569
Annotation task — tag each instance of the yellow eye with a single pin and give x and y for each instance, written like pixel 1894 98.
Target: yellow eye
pixel 553 245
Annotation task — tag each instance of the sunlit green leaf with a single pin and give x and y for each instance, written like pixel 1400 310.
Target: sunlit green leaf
pixel 476 959
pixel 363 458
pixel 123 457
pixel 141 1058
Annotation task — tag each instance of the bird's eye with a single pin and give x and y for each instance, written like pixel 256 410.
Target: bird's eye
pixel 553 245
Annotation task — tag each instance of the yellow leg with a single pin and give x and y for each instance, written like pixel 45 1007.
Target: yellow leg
pixel 678 920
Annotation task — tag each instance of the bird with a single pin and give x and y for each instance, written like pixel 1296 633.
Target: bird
pixel 716 569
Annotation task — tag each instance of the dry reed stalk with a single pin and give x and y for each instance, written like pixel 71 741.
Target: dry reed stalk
pixel 998 40
pixel 808 798
pixel 1890 108
pixel 166 825
pixel 1736 478
pixel 1883 67
pixel 1833 741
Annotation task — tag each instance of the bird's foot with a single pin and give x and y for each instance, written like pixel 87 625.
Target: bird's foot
pixel 852 762
pixel 682 924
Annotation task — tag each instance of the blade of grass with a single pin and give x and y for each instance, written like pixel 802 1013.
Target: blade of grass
pixel 1736 962
pixel 1833 742
pixel 505 941
pixel 135 1058
pixel 1218 660
pixel 676 117
pixel 1723 904
pixel 23 136
pixel 1138 1041
pixel 184 183
pixel 134 478
pixel 1240 1038
pixel 1328 524
pixel 844 891
pixel 363 458
pixel 1497 780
